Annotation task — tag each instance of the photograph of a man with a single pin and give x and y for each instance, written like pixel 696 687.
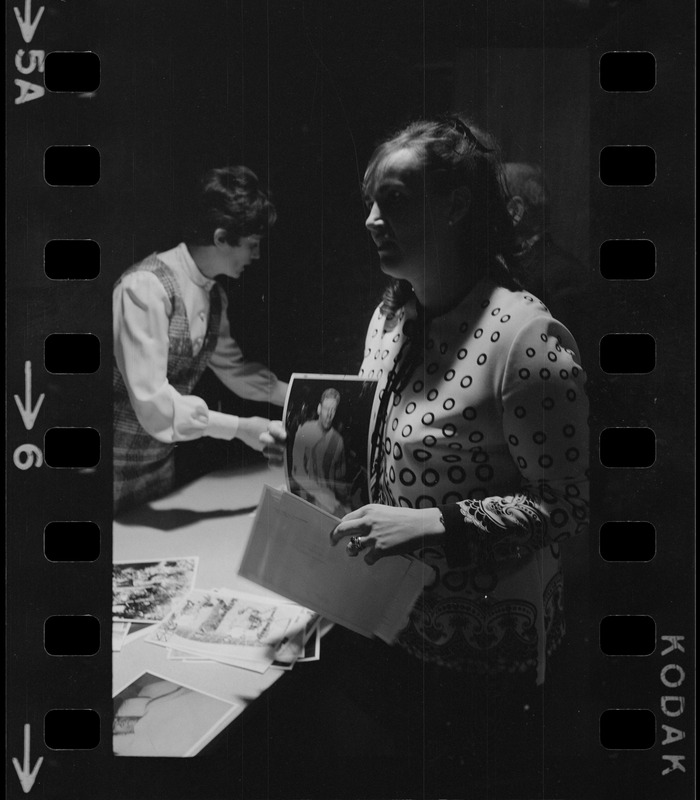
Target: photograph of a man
pixel 327 423
pixel 318 458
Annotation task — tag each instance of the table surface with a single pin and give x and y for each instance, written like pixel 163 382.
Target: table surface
pixel 210 518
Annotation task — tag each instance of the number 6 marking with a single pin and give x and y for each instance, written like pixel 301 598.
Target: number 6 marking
pixel 28 455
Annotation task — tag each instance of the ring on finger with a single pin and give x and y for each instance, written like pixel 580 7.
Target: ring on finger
pixel 355 545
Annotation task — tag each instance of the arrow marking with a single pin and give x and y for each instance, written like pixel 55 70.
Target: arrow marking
pixel 25 775
pixel 28 413
pixel 26 26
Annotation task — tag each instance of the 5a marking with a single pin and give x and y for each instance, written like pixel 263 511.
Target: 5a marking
pixel 28 455
pixel 27 26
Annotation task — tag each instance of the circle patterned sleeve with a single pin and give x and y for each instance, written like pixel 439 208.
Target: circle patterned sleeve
pixel 545 425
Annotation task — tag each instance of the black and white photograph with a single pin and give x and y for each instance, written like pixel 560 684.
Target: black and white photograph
pixel 327 423
pixel 386 303
pixel 156 717
pixel 146 591
pixel 231 626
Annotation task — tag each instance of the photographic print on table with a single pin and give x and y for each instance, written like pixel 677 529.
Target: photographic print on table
pixel 156 716
pixel 231 626
pixel 145 591
pixel 327 418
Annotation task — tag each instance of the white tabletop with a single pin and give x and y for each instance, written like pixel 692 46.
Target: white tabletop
pixel 210 518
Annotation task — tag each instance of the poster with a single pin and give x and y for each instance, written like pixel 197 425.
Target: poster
pixel 300 92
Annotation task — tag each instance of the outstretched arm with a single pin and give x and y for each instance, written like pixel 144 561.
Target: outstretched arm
pixel 141 317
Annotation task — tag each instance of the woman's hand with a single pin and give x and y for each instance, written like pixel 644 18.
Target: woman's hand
pixel 273 442
pixel 266 436
pixel 387 531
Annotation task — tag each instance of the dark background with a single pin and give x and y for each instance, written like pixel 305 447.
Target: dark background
pixel 300 92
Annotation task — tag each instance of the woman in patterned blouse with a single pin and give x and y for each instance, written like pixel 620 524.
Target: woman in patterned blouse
pixel 480 445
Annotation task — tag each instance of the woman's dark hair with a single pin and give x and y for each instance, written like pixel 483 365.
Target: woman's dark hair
pixel 454 152
pixel 230 198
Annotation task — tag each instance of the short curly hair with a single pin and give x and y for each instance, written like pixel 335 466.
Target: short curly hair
pixel 230 198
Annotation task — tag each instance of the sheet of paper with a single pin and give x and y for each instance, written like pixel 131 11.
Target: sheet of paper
pixel 289 552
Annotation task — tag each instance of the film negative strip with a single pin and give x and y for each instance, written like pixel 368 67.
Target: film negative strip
pixel 114 108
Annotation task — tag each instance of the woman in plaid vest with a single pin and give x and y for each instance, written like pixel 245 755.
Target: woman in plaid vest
pixel 170 324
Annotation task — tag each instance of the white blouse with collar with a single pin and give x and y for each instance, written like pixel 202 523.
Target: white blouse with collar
pixel 141 310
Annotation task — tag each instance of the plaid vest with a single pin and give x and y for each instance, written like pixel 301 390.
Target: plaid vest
pixel 144 468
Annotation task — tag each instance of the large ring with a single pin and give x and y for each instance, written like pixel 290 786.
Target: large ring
pixel 355 545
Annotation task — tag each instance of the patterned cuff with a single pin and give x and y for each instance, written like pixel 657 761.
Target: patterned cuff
pixel 457 545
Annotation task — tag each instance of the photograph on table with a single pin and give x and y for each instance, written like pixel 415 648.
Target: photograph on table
pixel 327 419
pixel 156 716
pixel 303 645
pixel 145 591
pixel 232 627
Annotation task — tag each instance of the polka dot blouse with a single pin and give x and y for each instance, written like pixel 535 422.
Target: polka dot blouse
pixel 491 427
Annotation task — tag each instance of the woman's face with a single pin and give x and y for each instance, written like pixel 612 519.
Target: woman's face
pixel 232 259
pixel 243 254
pixel 407 224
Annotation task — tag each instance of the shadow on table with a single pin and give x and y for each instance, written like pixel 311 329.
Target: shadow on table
pixel 168 519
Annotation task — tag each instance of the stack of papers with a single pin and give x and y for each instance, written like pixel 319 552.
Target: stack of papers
pixel 289 552
pixel 239 629
pixel 156 599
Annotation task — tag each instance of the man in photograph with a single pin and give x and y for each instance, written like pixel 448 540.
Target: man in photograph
pixel 318 458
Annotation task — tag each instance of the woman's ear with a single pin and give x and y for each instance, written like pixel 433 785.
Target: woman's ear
pixel 220 237
pixel 460 201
